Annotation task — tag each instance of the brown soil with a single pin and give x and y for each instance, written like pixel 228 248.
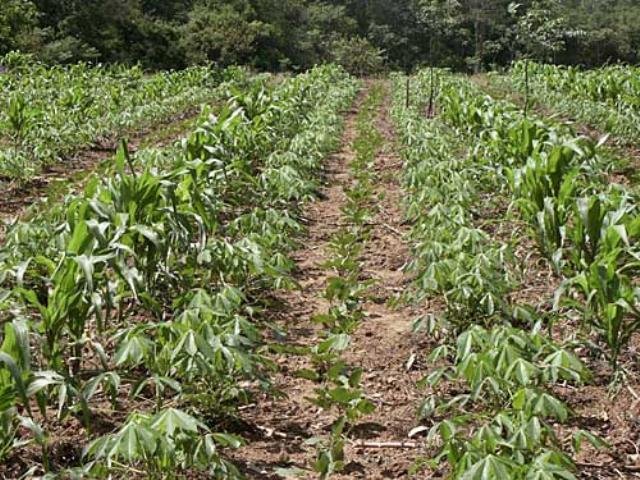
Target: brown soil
pixel 382 345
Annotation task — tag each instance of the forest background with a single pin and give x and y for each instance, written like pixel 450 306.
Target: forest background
pixel 363 35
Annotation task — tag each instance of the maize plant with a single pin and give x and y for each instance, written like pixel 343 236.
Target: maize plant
pixel 154 279
pixel 606 98
pixel 52 112
pixel 609 303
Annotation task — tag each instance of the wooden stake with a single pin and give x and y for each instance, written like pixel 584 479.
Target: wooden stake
pixel 430 110
pixel 408 90
pixel 526 87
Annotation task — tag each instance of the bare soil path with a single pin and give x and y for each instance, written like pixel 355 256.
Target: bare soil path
pixel 382 345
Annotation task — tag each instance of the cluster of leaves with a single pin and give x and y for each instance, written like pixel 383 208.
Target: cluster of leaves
pixel 605 98
pixel 453 257
pixel 163 34
pixel 501 425
pixel 272 34
pixel 49 113
pixel 584 226
pixel 148 284
pixel 346 291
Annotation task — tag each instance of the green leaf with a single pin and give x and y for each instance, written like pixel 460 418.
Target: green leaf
pixel 227 440
pixel 79 238
pixel 171 420
pixel 343 395
pixel 16 343
pixel 133 349
pixel 87 267
pixel 594 440
pixel 546 405
pixel 356 376
pixel 336 343
pixel 16 373
pixel 523 371
pixel 490 467
pixel 150 234
pixel 43 380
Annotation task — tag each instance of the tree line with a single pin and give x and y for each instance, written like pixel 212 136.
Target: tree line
pixel 363 35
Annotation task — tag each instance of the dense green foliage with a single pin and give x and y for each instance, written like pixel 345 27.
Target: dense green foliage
pixel 145 288
pixel 484 179
pixel 49 113
pixel 606 98
pixel 275 34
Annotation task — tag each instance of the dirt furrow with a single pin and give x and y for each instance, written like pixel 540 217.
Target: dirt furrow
pixel 383 344
pixel 276 428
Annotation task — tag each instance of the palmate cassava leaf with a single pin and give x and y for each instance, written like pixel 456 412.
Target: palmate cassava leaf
pixel 480 150
pixel 551 465
pixel 138 246
pixel 132 443
pixel 171 420
pixel 490 468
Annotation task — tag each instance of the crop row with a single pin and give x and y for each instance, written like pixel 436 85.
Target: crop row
pixel 142 294
pixel 605 98
pixel 483 182
pixel 48 113
pixel 585 226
